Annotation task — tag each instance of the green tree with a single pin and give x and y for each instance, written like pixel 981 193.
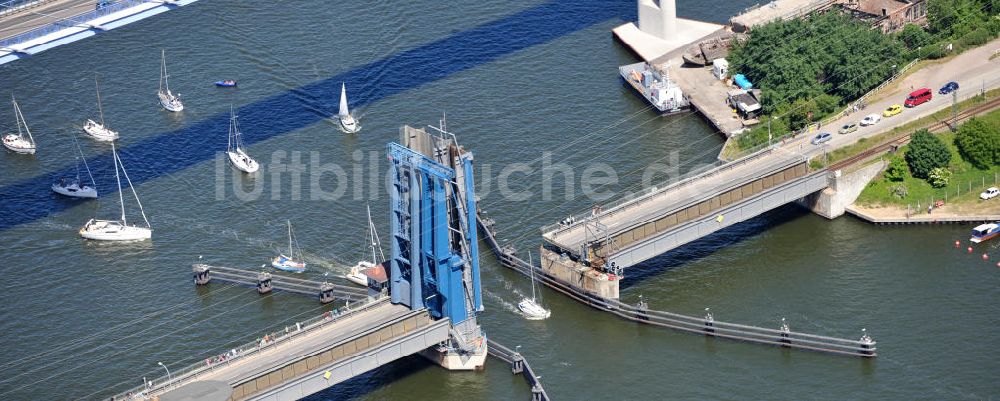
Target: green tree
pixel 926 152
pixel 979 143
pixel 798 62
pixel 956 17
pixel 897 169
pixel 914 36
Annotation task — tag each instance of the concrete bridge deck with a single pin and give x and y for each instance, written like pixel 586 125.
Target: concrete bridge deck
pixel 18 22
pixel 308 359
pixel 639 211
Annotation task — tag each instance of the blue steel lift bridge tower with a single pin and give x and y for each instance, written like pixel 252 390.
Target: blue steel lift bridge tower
pixel 434 260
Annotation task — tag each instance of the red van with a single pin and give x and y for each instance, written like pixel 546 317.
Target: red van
pixel 918 97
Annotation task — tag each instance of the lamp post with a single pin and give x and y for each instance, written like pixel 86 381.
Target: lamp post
pixel 165 368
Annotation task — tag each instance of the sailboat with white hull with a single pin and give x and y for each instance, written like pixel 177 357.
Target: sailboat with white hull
pixel 531 309
pixel 235 150
pixel 347 121
pixel 99 131
pixel 75 187
pixel 356 274
pixel 293 262
pixel 18 143
pixel 169 100
pixel 118 230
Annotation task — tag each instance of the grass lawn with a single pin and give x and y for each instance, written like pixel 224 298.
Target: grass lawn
pixel 965 185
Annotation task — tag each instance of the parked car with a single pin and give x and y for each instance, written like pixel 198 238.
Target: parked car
pixel 871 119
pixel 848 128
pixel 989 193
pixel 918 97
pixel 822 137
pixel 949 88
pixel 892 110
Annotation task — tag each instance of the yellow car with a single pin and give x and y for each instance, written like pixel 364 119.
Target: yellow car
pixel 892 110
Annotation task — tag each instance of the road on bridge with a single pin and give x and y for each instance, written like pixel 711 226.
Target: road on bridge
pixel 283 353
pixel 26 20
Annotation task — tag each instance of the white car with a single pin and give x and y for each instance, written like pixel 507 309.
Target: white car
pixel 989 193
pixel 871 119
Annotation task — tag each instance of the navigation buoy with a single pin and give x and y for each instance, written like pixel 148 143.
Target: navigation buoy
pixel 970 249
pixel 998 264
pixel 986 256
pixel 957 244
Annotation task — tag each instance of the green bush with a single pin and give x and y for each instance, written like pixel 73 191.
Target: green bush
pixel 939 177
pixel 978 37
pixel 758 135
pixel 914 36
pixel 926 152
pixel 896 171
pixel 899 191
pixel 979 143
pixel 936 52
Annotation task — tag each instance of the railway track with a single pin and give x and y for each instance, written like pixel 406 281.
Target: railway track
pixel 896 143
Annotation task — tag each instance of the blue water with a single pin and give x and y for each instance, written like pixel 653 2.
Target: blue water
pixel 520 81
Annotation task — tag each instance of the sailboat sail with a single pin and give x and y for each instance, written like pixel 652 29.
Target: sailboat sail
pixel 344 112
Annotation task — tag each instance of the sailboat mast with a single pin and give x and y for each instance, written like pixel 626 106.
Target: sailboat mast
pixel 531 265
pixel 163 71
pixel 376 242
pixel 80 151
pixel 291 251
pixel 100 108
pixel 136 195
pixel 232 122
pixel 21 121
pixel 121 199
pixel 371 234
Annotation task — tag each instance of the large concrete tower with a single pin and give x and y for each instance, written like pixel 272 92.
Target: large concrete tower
pixel 658 18
pixel 668 19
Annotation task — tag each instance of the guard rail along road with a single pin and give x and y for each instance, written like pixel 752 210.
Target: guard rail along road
pixel 707 325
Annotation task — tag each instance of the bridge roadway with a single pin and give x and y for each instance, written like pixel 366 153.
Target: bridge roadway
pixel 634 220
pixel 18 22
pixel 310 359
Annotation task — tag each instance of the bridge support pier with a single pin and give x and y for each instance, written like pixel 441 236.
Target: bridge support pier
pixel 579 275
pixel 844 189
pixel 451 357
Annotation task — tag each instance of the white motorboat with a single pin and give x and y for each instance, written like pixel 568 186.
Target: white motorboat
pixel 531 308
pixel 347 121
pixel 356 275
pixel 99 131
pixel 118 230
pixel 21 142
pixel 169 100
pixel 235 150
pixel 75 187
pixel 293 262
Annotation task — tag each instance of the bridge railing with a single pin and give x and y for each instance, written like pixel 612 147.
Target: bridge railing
pixel 76 20
pixel 519 365
pixel 274 339
pixel 13 6
pixel 639 197
pixel 640 313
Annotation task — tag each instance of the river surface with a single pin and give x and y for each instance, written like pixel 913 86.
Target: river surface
pixel 520 81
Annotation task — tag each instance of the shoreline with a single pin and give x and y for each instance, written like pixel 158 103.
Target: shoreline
pixel 896 215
